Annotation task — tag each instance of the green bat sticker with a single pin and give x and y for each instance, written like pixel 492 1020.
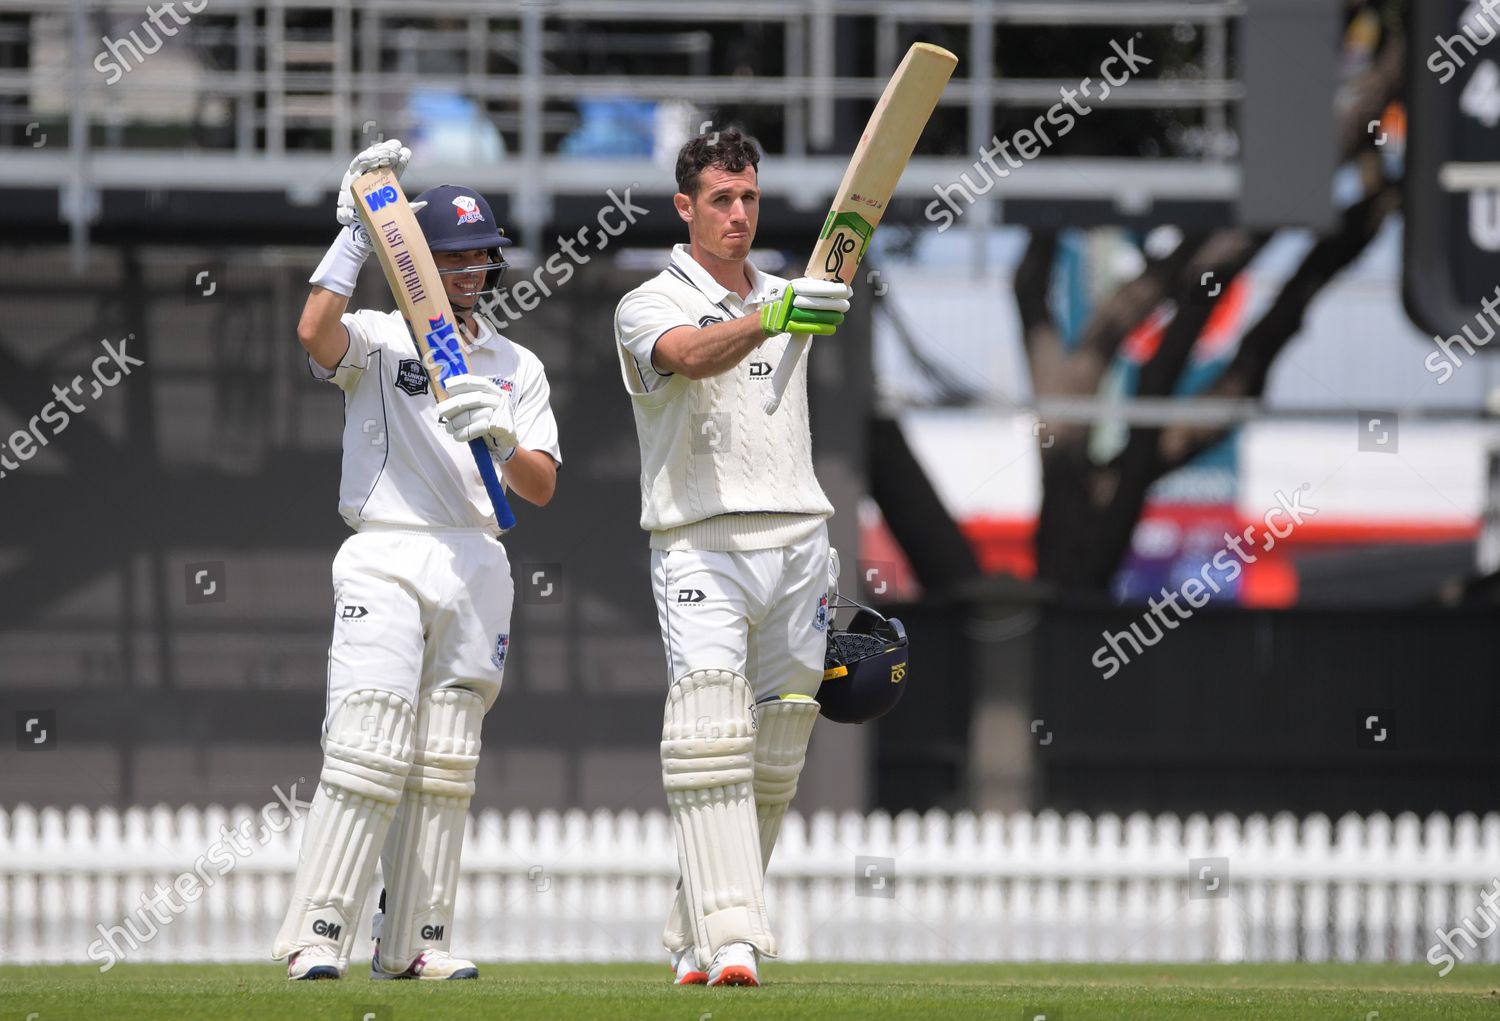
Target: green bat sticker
pixel 851 236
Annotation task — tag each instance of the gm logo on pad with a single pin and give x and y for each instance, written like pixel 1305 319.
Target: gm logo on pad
pixel 381 197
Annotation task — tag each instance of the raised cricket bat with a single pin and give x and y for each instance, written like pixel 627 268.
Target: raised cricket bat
pixel 868 184
pixel 418 288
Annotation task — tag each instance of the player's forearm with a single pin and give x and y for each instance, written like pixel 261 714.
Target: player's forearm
pixel 320 329
pixel 532 475
pixel 700 353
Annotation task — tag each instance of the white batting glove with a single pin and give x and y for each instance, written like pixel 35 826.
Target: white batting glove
pixel 476 408
pixel 390 153
pixel 821 295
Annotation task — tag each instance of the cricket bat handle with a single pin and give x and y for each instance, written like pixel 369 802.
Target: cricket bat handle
pixel 785 370
pixel 492 486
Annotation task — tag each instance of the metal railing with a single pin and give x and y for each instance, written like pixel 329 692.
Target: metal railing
pixel 283 91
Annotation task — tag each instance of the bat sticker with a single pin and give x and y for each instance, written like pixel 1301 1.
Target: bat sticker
pixel 842 246
pixel 380 198
pixel 442 342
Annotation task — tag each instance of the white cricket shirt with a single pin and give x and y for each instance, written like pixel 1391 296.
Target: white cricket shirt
pixel 401 466
pixel 717 473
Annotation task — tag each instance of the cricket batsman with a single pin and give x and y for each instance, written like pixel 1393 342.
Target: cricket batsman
pixel 740 559
pixel 422 592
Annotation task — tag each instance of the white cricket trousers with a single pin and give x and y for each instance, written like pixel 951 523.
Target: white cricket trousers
pixel 419 609
pixel 763 614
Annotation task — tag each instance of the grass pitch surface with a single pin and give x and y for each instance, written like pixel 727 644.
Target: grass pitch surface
pixel 805 992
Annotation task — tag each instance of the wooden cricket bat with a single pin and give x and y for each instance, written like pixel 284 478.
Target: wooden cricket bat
pixel 879 159
pixel 418 287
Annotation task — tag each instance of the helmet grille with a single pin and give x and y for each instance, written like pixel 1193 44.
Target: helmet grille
pixel 850 647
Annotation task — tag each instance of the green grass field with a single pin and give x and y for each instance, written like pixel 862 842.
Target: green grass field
pixel 806 992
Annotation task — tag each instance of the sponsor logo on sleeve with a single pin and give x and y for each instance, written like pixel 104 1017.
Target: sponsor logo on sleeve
pixel 502 646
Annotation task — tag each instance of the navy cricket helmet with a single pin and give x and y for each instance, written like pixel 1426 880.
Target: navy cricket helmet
pixel 457 219
pixel 864 671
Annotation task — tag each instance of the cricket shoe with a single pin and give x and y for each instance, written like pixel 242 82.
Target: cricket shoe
pixel 429 965
pixel 734 965
pixel 685 965
pixel 314 963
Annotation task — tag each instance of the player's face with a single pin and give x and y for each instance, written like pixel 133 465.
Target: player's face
pixel 461 287
pixel 726 211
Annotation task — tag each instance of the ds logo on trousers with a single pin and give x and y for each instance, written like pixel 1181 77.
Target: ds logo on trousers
pixel 690 595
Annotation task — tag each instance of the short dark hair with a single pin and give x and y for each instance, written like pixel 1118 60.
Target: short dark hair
pixel 730 149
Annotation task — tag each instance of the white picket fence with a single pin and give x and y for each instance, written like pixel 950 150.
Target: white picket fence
pixel 595 887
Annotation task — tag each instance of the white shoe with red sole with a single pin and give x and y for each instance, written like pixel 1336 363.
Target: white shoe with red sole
pixel 685 967
pixel 736 964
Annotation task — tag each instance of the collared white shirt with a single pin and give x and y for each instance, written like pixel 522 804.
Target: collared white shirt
pixel 652 310
pixel 401 466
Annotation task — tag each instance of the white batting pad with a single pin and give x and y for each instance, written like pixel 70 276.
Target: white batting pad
pixel 421 856
pixel 708 766
pixel 783 728
pixel 366 754
pixel 678 935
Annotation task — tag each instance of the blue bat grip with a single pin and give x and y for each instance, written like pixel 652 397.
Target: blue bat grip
pixel 492 485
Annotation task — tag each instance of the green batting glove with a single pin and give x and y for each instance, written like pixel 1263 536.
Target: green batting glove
pixel 806 306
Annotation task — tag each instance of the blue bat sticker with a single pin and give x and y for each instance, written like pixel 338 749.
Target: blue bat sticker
pixel 442 341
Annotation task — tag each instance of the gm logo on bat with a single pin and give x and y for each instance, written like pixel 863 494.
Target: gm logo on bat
pixel 380 198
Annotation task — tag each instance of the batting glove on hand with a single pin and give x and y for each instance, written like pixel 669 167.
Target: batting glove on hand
pixel 807 306
pixel 476 408
pixel 390 153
